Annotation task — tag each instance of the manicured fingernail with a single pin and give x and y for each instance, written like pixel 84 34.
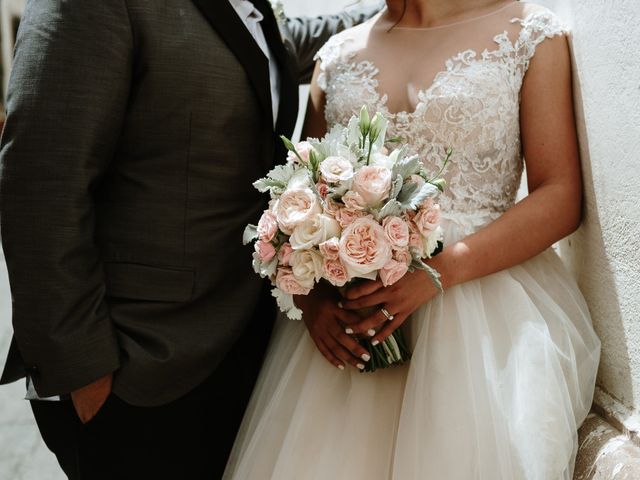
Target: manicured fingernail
pixel 366 357
pixel 341 367
pixel 349 331
pixel 375 342
pixel 360 366
pixel 340 305
pixel 371 332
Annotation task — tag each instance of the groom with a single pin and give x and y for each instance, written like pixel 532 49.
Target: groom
pixel 134 131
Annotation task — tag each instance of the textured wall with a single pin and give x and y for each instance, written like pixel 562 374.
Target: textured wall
pixel 605 252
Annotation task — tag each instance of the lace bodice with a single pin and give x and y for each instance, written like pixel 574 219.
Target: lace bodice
pixel 470 106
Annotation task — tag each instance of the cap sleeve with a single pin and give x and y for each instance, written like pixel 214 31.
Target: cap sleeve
pixel 327 57
pixel 536 28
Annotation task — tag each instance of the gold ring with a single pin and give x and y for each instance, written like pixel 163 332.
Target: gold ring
pixel 386 313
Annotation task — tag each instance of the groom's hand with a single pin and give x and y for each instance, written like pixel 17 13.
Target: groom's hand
pixel 326 323
pixel 88 400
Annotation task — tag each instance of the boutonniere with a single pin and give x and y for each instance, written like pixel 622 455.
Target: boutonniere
pixel 278 10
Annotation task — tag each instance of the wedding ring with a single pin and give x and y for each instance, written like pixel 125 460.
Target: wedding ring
pixel 386 313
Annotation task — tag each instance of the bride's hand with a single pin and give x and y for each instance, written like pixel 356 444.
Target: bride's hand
pixel 400 300
pixel 325 321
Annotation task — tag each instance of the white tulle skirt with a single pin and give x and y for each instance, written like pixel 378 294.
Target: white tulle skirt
pixel 502 376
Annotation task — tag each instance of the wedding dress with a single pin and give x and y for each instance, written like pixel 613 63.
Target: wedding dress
pixel 504 366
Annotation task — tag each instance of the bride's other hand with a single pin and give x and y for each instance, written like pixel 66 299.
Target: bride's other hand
pixel 325 320
pixel 400 300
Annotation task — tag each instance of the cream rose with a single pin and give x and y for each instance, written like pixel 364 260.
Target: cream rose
pixel 392 272
pixel 373 184
pixel 364 248
pixel 431 242
pixel 336 170
pixel 335 272
pixel 286 281
pixel 402 255
pixel 306 266
pixel 267 226
pixel 314 231
pixel 330 249
pixel 397 231
pixel 294 207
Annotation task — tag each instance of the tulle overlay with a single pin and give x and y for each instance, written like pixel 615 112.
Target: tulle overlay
pixel 502 374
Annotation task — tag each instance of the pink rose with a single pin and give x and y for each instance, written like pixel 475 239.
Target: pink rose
pixel 416 243
pixel 354 201
pixel 323 189
pixel 346 216
pixel 304 150
pixel 392 272
pixel 267 226
pixel 330 249
pixel 284 254
pixel 428 218
pixel 402 255
pixel 397 231
pixel 335 273
pixel 364 248
pixel 295 206
pixel 265 250
pixel 373 184
pixel 286 282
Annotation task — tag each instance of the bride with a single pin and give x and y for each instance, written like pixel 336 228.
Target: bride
pixel 505 358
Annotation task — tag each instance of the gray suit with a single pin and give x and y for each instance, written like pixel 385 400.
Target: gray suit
pixel 134 131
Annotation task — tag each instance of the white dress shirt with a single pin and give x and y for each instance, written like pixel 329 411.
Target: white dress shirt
pixel 251 17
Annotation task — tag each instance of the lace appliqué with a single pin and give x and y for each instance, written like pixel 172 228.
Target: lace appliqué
pixel 472 106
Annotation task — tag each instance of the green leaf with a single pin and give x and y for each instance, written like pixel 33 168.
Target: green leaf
pixel 412 195
pixel 392 208
pixel 396 187
pixel 250 234
pixel 407 166
pixel 268 185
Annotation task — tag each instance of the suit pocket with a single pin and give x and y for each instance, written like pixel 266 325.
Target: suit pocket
pixel 146 282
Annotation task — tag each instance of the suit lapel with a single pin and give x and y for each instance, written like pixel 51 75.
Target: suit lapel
pixel 224 19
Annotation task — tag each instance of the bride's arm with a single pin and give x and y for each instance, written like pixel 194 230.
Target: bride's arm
pixel 315 124
pixel 550 212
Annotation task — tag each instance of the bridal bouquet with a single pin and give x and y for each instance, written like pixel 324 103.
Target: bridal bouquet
pixel 343 209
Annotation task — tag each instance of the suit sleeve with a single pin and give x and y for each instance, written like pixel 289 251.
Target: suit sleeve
pixel 66 105
pixel 308 35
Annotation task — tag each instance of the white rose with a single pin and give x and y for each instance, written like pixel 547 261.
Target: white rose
pixel 306 266
pixel 373 184
pixel 336 170
pixel 294 207
pixel 431 242
pixel 313 231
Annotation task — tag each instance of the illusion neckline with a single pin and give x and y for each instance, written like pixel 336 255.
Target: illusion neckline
pixel 460 22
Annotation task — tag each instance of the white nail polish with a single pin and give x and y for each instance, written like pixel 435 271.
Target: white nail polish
pixel 375 342
pixel 371 332
pixel 349 331
pixel 366 357
pixel 341 367
pixel 360 366
pixel 340 305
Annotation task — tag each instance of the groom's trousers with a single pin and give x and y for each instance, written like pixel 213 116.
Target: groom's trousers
pixel 188 439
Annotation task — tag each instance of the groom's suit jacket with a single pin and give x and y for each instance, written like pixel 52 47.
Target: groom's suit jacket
pixel 134 131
